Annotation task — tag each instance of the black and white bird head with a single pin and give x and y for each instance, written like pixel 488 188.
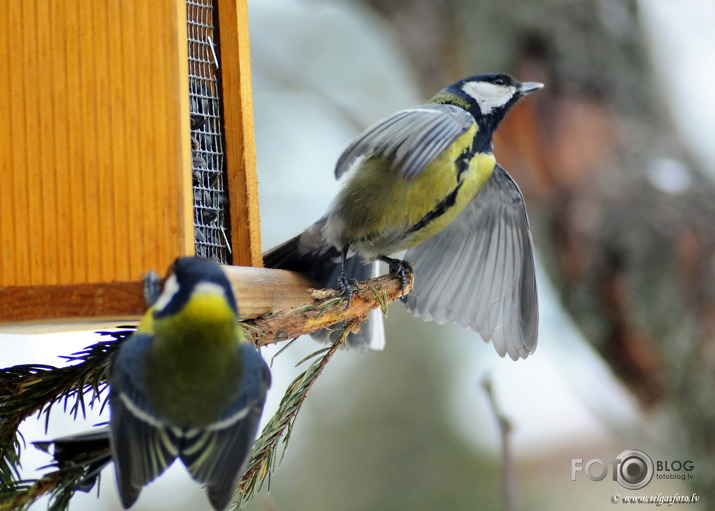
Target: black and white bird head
pixel 193 279
pixel 487 96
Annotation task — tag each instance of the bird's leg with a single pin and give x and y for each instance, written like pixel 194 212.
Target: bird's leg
pixel 397 267
pixel 152 287
pixel 345 283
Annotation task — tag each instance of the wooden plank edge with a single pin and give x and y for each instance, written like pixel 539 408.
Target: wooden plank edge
pixel 42 309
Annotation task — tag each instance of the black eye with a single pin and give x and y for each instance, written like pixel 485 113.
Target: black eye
pixel 499 81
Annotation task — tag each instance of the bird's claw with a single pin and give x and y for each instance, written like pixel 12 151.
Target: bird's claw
pixel 346 288
pixel 152 287
pixel 397 267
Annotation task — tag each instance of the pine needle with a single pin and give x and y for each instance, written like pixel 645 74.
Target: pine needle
pixel 29 389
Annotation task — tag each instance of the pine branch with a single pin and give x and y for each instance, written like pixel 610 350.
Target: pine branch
pixel 21 494
pixel 263 462
pixel 29 389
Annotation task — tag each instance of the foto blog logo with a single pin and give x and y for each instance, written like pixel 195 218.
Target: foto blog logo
pixel 633 469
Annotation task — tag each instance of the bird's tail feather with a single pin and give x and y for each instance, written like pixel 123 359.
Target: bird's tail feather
pixel 89 450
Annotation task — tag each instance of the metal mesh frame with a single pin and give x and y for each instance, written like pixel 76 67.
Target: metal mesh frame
pixel 208 166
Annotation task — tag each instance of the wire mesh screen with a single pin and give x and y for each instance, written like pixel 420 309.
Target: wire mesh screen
pixel 208 167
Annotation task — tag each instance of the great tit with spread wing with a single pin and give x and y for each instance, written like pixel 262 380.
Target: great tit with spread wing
pixel 425 180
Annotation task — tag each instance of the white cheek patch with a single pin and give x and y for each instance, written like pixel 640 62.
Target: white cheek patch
pixel 208 288
pixel 171 287
pixel 489 95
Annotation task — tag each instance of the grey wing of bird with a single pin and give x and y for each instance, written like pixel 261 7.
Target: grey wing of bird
pixel 216 456
pixel 141 446
pixel 479 270
pixel 412 138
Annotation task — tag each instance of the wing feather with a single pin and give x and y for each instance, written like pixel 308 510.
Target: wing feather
pixel 141 451
pixel 142 447
pixel 412 138
pixel 217 456
pixel 479 271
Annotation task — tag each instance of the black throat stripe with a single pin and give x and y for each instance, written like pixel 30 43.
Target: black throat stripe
pixel 438 211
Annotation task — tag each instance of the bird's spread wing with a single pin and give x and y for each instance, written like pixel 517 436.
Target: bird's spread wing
pixel 479 270
pixel 141 446
pixel 412 138
pixel 141 452
pixel 216 456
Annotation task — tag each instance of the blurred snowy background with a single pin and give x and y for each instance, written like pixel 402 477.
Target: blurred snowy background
pixel 410 427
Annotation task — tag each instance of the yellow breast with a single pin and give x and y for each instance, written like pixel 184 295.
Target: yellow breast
pixel 380 209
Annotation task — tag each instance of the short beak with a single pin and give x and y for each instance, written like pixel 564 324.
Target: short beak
pixel 529 87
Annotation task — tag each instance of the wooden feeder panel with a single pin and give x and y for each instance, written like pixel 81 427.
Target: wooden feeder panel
pixel 102 176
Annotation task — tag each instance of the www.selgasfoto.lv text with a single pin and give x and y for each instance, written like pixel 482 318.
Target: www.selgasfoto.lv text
pixel 658 500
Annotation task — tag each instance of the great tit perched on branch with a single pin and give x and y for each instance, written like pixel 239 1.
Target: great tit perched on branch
pixel 189 384
pixel 425 180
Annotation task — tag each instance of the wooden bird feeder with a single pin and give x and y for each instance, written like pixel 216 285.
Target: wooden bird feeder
pixel 127 141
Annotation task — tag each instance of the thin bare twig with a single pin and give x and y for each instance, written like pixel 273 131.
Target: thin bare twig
pixel 508 480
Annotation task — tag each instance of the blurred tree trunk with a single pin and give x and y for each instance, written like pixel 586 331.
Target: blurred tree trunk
pixel 624 222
